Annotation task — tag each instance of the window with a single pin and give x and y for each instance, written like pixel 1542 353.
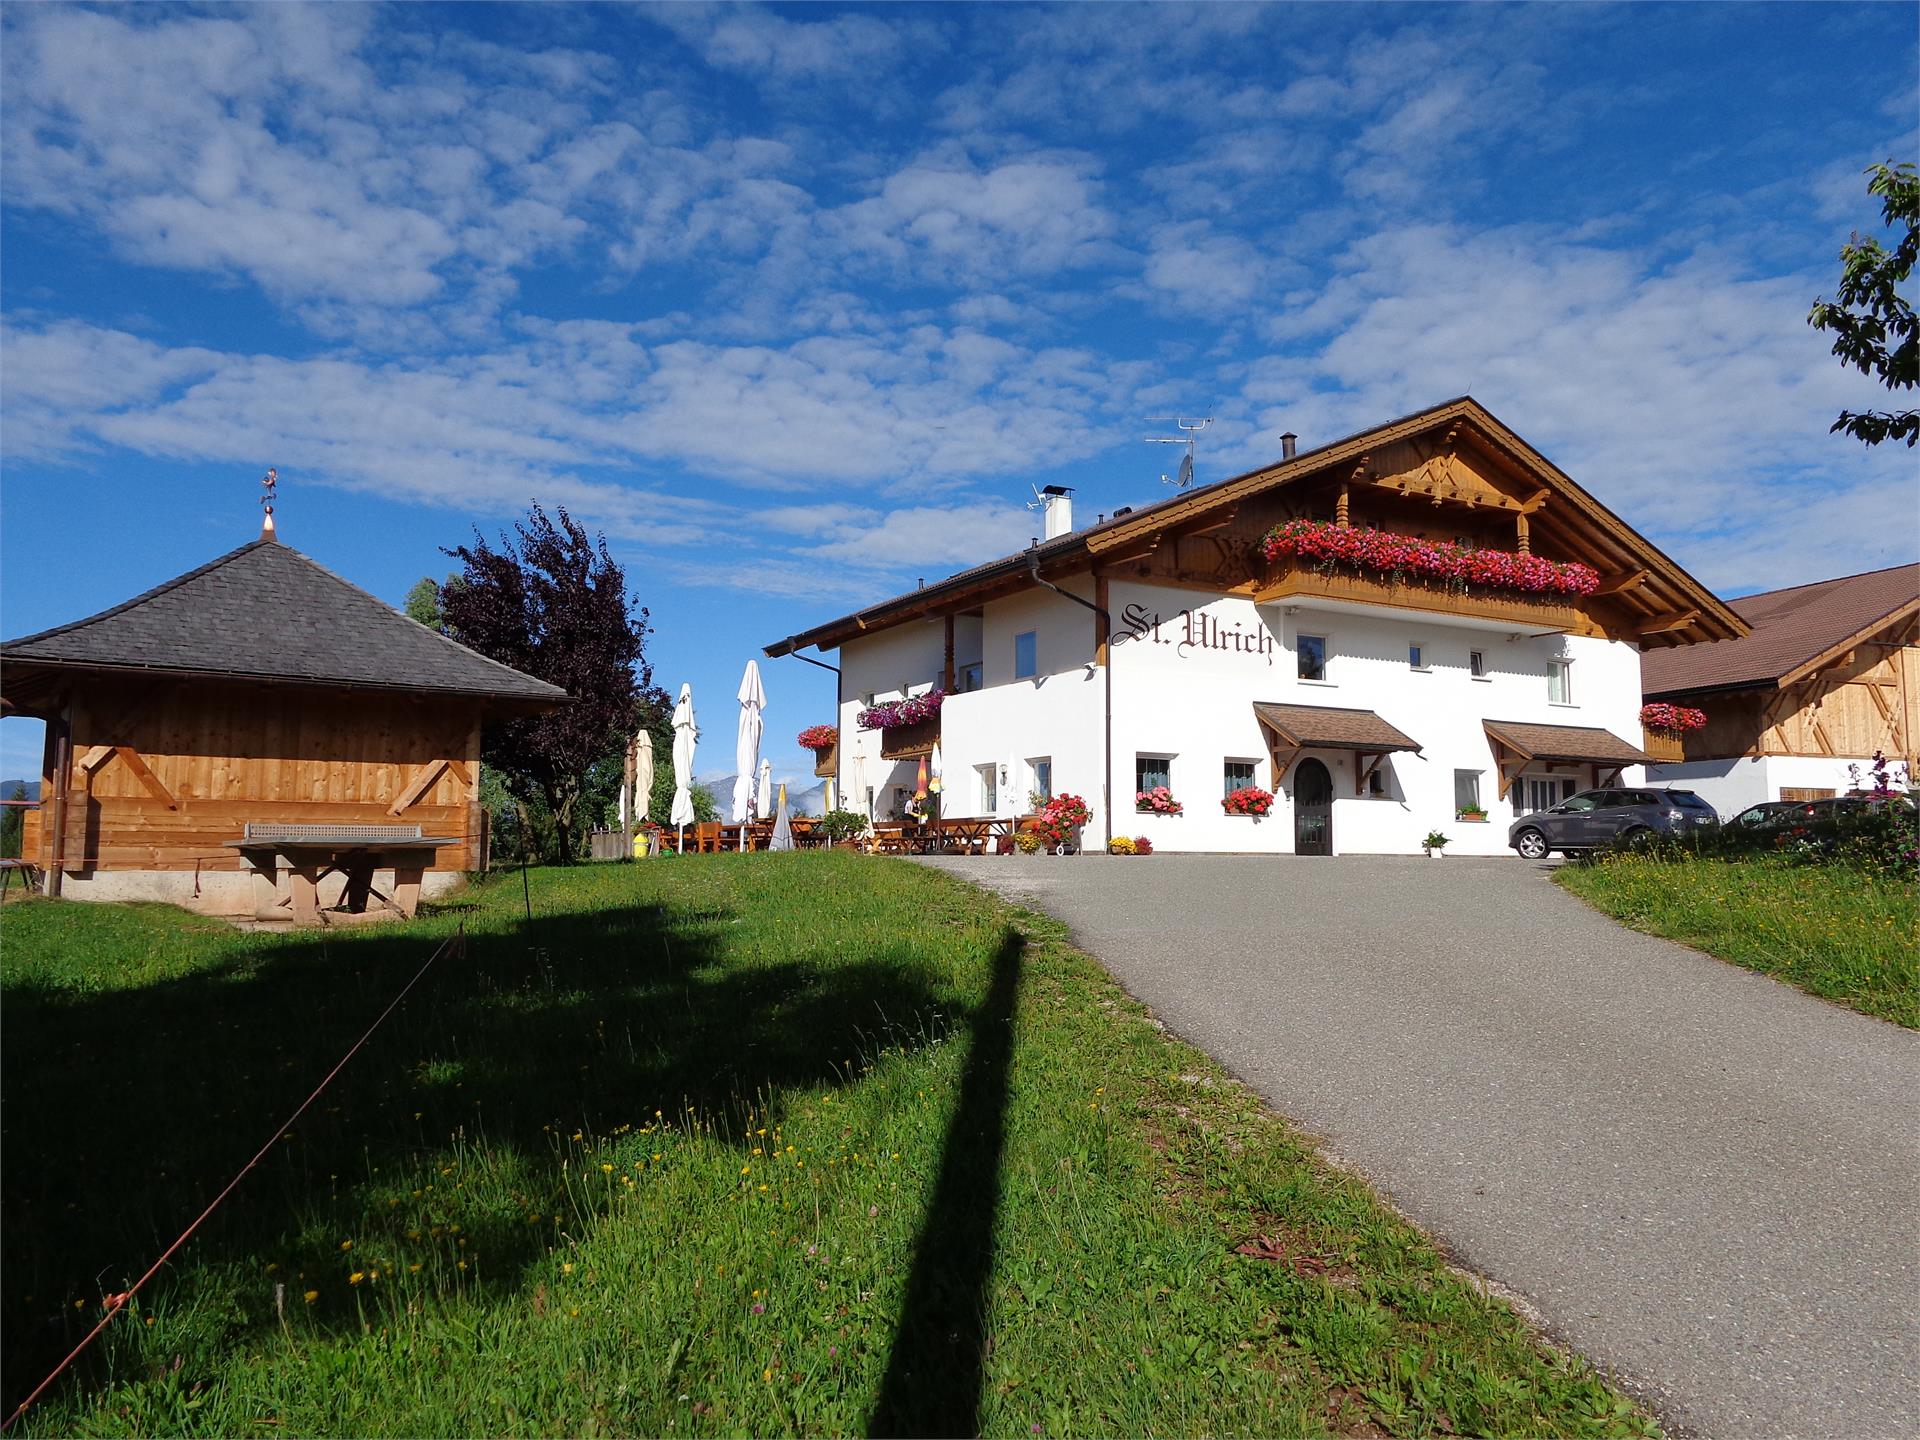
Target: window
pixel 866 700
pixel 1026 655
pixel 1237 775
pixel 1560 682
pixel 989 788
pixel 1539 792
pixel 1416 657
pixel 1312 653
pixel 1466 790
pixel 1041 771
pixel 967 679
pixel 1477 664
pixel 1377 782
pixel 1151 772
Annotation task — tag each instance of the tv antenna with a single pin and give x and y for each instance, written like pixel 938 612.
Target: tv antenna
pixel 1184 478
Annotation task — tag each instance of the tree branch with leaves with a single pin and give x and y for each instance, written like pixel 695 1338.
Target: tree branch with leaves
pixel 1871 322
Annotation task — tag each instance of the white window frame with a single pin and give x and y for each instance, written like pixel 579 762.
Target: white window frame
pixel 1034 636
pixel 1034 762
pixel 1474 786
pixel 1424 666
pixel 1560 675
pixel 988 777
pixel 1326 659
pixel 1253 776
pixel 1166 758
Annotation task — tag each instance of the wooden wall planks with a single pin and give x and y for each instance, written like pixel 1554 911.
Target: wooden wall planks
pixel 232 754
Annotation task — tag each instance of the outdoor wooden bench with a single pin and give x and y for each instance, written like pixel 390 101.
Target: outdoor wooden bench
pixel 313 852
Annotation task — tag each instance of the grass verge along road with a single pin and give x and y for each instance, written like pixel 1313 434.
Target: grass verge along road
pixel 810 1143
pixel 1834 931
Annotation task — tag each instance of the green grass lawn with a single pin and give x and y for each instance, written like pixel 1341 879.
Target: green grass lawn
pixel 742 1144
pixel 1835 931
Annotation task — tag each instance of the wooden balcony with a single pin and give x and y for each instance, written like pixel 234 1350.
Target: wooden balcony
pixel 1283 580
pixel 1663 749
pixel 905 742
pixel 826 763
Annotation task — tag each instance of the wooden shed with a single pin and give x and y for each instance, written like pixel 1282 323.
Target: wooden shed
pixel 260 690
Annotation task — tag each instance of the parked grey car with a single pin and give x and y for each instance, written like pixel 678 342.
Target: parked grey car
pixel 1599 817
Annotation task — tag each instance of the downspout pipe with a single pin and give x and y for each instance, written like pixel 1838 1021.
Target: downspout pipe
pixel 1106 785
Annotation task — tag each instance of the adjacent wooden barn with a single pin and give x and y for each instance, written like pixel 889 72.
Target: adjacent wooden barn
pixel 257 735
pixel 1828 675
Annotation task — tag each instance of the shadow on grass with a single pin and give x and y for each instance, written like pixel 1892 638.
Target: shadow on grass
pixel 125 1111
pixel 938 1364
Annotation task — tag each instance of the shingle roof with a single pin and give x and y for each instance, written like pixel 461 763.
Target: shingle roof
pixel 267 612
pixel 1564 742
pixel 1671 584
pixel 1325 728
pixel 1789 628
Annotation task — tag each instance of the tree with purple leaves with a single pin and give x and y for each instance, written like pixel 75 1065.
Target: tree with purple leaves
pixel 551 602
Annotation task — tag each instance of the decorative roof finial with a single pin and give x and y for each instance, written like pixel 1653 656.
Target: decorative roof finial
pixel 267 483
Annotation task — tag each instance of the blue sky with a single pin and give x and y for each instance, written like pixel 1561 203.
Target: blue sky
pixel 798 303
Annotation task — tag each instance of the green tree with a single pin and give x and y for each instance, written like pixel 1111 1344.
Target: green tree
pixel 423 603
pixel 551 602
pixel 1871 322
pixel 13 824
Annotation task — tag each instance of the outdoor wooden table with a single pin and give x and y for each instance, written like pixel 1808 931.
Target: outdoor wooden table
pixel 312 852
pixel 962 835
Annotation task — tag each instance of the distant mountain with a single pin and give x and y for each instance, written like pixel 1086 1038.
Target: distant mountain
pixel 719 788
pixel 32 788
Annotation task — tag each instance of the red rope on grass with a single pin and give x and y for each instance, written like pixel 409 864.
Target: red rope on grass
pixel 116 1303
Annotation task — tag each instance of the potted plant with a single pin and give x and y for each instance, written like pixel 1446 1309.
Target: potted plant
pixel 1142 845
pixel 1157 801
pixel 842 826
pixel 1249 800
pixel 1028 842
pixel 1061 820
pixel 1472 814
pixel 1121 845
pixel 1435 844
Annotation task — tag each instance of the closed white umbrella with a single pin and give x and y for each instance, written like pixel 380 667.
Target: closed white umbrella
pixel 934 767
pixel 684 735
pixel 763 796
pixel 782 838
pixel 862 801
pixel 642 775
pixel 746 749
pixel 826 800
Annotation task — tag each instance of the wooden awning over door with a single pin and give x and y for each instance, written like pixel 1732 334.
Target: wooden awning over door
pixel 1290 729
pixel 1517 745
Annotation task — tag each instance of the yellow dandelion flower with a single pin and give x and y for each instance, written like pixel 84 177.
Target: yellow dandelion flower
pixel 312 1295
pixel 463 1264
pixel 608 1169
pixel 566 1268
pixel 414 1268
pixel 346 1244
pixel 356 1277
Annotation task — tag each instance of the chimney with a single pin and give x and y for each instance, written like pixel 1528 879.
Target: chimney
pixel 1059 510
pixel 1287 443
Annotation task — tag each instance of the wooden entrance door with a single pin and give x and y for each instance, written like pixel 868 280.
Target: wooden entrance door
pixel 1312 809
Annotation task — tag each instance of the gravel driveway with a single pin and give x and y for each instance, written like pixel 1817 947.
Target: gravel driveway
pixel 1703 1179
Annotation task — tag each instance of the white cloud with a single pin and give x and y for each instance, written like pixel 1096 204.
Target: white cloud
pixel 1692 399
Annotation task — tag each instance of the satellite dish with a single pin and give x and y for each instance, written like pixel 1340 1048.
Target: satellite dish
pixel 1186 470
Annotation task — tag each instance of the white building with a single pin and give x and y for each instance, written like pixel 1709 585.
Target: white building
pixel 1160 646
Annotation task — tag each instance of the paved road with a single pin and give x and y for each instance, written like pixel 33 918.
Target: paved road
pixel 1705 1180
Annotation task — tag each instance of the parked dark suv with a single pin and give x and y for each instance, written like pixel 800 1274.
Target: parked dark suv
pixel 1599 817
